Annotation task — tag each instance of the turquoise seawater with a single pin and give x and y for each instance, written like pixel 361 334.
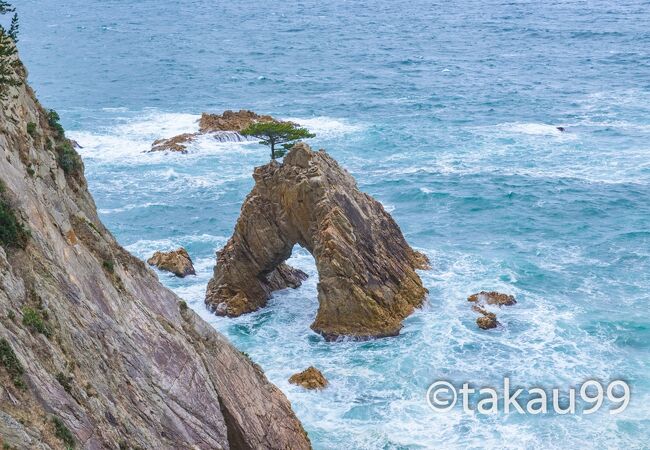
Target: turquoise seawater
pixel 446 112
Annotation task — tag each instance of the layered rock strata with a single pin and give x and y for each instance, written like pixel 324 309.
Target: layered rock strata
pixel 94 352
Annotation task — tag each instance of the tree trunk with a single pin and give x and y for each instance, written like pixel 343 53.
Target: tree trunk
pixel 273 150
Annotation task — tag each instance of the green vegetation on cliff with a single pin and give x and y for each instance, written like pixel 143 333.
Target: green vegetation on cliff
pixel 67 157
pixel 12 233
pixel 34 320
pixel 12 365
pixel 63 433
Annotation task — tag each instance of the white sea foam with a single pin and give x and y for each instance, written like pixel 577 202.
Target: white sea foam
pixel 530 128
pixel 129 207
pixel 130 140
pixel 327 127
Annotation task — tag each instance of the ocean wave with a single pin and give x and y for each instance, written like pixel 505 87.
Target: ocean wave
pixel 532 129
pixel 130 140
pixel 129 207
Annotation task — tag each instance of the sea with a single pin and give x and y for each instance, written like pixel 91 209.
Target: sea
pixel 447 112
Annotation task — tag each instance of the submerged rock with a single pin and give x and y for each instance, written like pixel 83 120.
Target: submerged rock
pixel 177 262
pixel 367 279
pixel 224 127
pixel 310 378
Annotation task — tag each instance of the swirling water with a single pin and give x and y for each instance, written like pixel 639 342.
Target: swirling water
pixel 446 113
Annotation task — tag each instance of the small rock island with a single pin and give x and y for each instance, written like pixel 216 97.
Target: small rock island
pixel 224 127
pixel 367 278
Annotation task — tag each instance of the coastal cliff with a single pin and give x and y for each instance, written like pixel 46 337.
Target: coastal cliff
pixel 367 279
pixel 94 352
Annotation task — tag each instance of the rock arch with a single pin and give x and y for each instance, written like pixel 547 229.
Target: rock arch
pixel 367 279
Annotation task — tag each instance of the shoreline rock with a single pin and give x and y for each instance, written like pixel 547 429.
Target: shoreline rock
pixel 177 262
pixel 367 279
pixel 310 378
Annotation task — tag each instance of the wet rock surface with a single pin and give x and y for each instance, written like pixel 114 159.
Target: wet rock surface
pixel 177 262
pixel 310 378
pixel 488 320
pixel 367 279
pixel 492 298
pixel 174 144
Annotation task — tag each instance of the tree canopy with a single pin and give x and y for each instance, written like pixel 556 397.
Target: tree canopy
pixel 5 7
pixel 8 51
pixel 274 134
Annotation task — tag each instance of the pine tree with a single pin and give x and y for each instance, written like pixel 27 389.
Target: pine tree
pixel 277 133
pixel 13 28
pixel 5 7
pixel 8 76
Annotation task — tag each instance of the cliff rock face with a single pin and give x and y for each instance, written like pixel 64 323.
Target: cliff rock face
pixel 367 279
pixel 223 127
pixel 93 348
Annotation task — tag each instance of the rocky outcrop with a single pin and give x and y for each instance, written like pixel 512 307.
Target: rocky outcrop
pixel 174 144
pixel 492 298
pixel 310 378
pixel 284 276
pixel 177 262
pixel 230 121
pixel 367 279
pixel 94 350
pixel 488 320
pixel 222 127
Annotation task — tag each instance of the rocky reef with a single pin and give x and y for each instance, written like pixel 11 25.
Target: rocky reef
pixel 94 352
pixel 222 127
pixel 487 319
pixel 367 279
pixel 177 262
pixel 310 378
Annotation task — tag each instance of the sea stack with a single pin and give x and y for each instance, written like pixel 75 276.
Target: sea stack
pixel 367 279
